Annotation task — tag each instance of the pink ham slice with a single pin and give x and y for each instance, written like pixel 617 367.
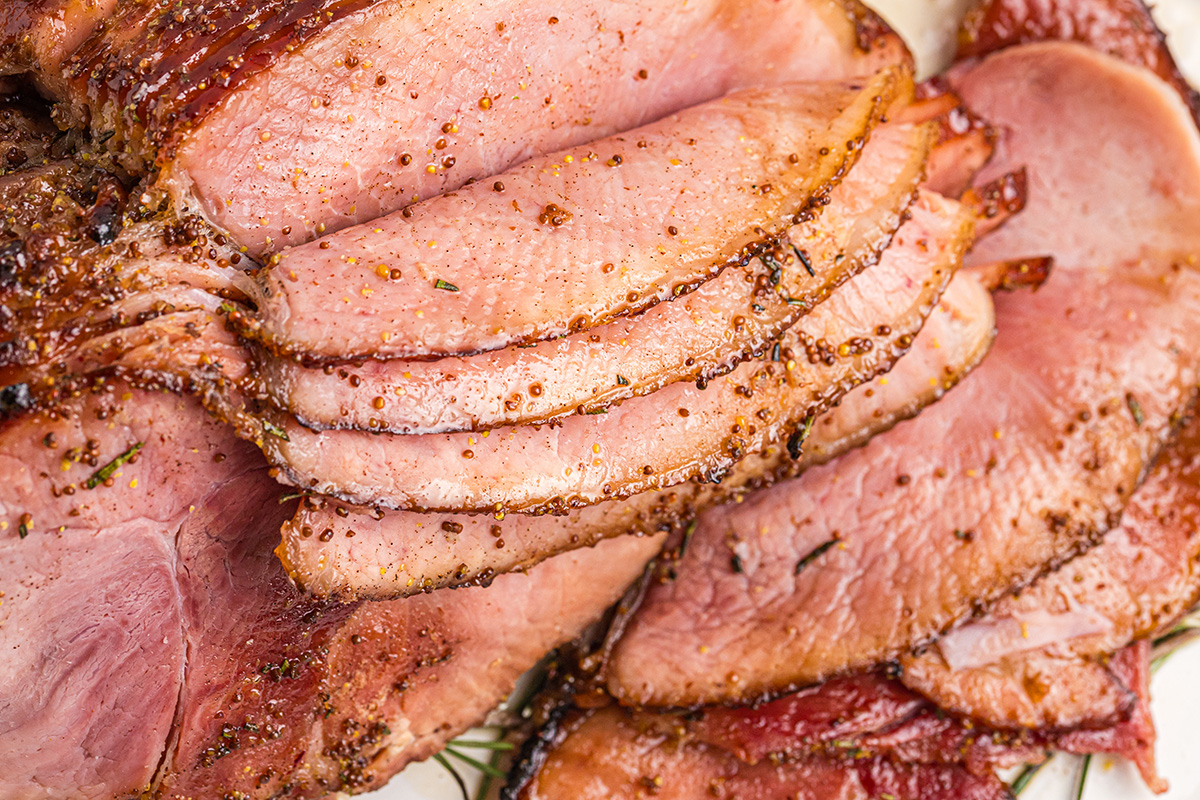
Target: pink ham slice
pixel 1136 582
pixel 331 548
pixel 1024 465
pixel 335 112
pixel 571 240
pixel 695 337
pixel 154 644
pixel 663 439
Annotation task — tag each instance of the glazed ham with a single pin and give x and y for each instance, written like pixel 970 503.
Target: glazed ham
pixel 695 337
pixel 1135 583
pixel 331 548
pixel 135 518
pixel 859 737
pixel 573 239
pixel 1027 463
pixel 325 118
pixel 665 438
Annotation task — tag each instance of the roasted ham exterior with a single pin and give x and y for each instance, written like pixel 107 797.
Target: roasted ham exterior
pixel 281 120
pixel 137 534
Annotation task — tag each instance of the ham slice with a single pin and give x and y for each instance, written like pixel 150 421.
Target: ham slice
pixel 695 337
pixel 1140 579
pixel 663 439
pixel 327 116
pixel 153 642
pixel 571 240
pixel 1027 463
pixel 331 548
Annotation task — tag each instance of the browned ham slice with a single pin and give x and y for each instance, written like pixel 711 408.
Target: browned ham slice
pixel 172 654
pixel 331 548
pixel 660 440
pixel 280 120
pixel 695 337
pixel 574 239
pixel 1137 581
pixel 859 736
pixel 1027 463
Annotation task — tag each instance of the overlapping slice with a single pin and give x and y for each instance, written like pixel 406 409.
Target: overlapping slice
pixel 1136 582
pixel 571 240
pixel 858 737
pixel 694 337
pixel 280 121
pixel 679 432
pixel 1027 463
pixel 331 548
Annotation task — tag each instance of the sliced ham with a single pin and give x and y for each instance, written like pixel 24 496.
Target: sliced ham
pixel 695 337
pixel 1136 582
pixel 1027 463
pixel 1121 28
pixel 571 240
pixel 154 644
pixel 331 548
pixel 333 113
pixel 660 440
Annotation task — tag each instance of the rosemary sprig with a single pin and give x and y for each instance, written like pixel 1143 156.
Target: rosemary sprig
pixel 481 766
pixel 1025 776
pixel 104 473
pixel 462 786
pixel 460 744
pixel 1083 774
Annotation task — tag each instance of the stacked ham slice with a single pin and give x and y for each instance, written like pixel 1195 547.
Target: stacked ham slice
pixel 512 301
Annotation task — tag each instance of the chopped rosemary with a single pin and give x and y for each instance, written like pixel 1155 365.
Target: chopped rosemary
pixel 23 530
pixel 687 537
pixel 816 553
pixel 595 411
pixel 804 260
pixel 226 307
pixel 622 380
pixel 792 301
pixel 445 285
pixel 275 430
pixel 735 564
pixel 795 443
pixel 777 352
pixel 291 496
pixel 106 472
pixel 1135 408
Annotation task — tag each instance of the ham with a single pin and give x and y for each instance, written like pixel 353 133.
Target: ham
pixel 279 121
pixel 331 548
pixel 696 337
pixel 660 440
pixel 1026 464
pixel 1138 581
pixel 154 644
pixel 571 240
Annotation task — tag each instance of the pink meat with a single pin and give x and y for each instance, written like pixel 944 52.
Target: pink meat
pixel 571 240
pixel 1028 462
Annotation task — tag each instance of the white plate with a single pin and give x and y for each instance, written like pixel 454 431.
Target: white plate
pixel 929 27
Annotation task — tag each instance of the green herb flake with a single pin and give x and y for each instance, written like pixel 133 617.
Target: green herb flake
pixel 1024 778
pixel 816 553
pixel 1135 408
pixel 622 380
pixel 275 430
pixel 104 473
pixel 444 285
pixel 228 308
pixel 23 530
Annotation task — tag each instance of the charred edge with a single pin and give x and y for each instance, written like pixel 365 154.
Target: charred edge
pixel 192 59
pixel 533 753
pixel 871 32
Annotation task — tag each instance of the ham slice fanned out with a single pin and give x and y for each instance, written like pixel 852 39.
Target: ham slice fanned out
pixel 1136 582
pixel 679 432
pixel 173 644
pixel 331 548
pixel 1027 463
pixel 282 120
pixel 695 337
pixel 862 736
pixel 571 240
